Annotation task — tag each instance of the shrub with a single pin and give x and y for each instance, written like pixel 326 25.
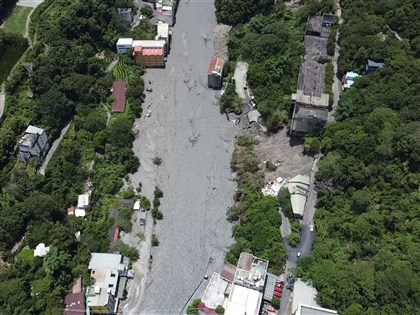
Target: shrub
pixel 220 309
pixel 275 302
pixel 193 308
pixel 158 192
pixel 155 240
pixel 157 161
pixel 270 166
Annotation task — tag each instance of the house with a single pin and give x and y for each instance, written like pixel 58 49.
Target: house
pixel 109 273
pixel 75 301
pixel 41 250
pixel 373 65
pixel 126 14
pixel 71 210
pixel 328 20
pixel 163 33
pixel 118 93
pixel 215 73
pixel 349 78
pixel 149 57
pixel 298 187
pixel 124 45
pixel 83 204
pixel 34 143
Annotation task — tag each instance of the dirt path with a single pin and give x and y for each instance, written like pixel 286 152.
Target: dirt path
pixel 195 176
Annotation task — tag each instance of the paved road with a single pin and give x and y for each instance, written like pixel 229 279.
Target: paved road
pixel 195 176
pixel 336 84
pixel 306 237
pixel 54 147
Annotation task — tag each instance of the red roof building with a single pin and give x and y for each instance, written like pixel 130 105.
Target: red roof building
pixel 75 304
pixel 215 73
pixel 118 93
pixel 70 211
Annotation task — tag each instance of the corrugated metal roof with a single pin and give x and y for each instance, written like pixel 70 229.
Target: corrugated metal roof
pixel 270 284
pixel 106 261
pixel 118 92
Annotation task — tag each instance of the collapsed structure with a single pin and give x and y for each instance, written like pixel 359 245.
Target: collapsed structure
pixel 309 105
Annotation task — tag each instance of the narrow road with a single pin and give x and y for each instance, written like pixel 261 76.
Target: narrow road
pixel 54 147
pixel 336 84
pixel 2 102
pixel 307 237
pixel 195 142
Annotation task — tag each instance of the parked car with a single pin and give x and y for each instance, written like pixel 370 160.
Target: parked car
pixel 311 228
pixel 298 254
pixel 149 89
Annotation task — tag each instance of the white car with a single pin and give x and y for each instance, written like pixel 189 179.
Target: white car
pixel 298 254
pixel 149 112
pixel 311 228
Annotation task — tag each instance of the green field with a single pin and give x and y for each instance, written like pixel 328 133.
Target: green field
pixel 16 23
pixel 120 71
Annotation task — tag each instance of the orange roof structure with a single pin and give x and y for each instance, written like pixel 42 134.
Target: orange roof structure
pixel 216 65
pixel 139 50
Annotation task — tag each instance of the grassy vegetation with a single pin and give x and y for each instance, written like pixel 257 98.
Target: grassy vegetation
pixel 120 71
pixel 10 53
pixel 16 23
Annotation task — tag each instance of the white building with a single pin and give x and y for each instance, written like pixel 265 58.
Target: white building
pixel 33 143
pixel 124 45
pixel 41 250
pixel 109 273
pixel 163 33
pixel 304 300
pixel 83 203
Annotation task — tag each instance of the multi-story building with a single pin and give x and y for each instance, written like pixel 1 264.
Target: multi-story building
pixel 163 33
pixel 215 73
pixel 34 143
pixel 239 290
pixel 109 273
pixel 124 45
pixel 149 53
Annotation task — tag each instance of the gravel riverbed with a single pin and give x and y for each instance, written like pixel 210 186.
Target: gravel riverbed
pixel 195 143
